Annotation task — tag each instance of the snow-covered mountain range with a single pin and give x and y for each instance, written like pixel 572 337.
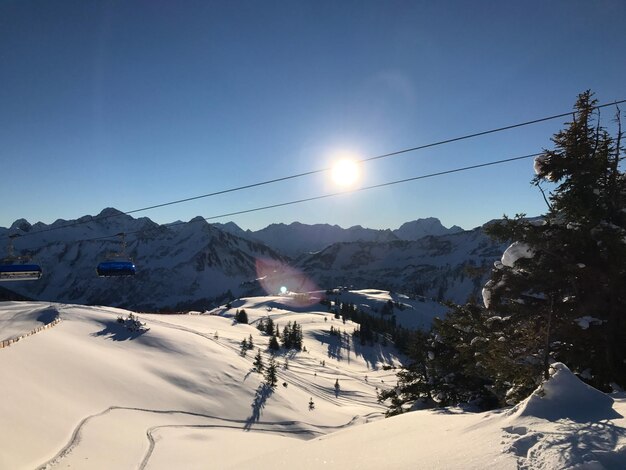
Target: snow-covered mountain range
pixel 296 239
pixel 196 264
pixel 446 267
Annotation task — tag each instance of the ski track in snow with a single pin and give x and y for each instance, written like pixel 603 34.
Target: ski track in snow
pixel 76 437
pixel 150 431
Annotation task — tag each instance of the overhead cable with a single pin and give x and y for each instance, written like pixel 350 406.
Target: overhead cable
pixel 313 172
pixel 331 195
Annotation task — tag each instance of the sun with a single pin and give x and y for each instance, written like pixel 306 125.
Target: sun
pixel 345 172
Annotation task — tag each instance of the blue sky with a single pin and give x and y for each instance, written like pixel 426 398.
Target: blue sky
pixel 127 104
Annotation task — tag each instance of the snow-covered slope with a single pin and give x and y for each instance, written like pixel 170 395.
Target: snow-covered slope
pixel 523 438
pixel 415 313
pixel 88 393
pixel 85 392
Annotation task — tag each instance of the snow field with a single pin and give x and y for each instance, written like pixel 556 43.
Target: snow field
pixel 90 394
pixel 86 392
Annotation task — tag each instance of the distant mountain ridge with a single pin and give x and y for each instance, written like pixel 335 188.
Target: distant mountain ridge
pixel 297 239
pixel 196 264
pixel 421 228
pixel 176 266
pixel 446 267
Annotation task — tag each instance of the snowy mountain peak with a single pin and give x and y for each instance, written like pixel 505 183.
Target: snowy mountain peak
pixel 297 238
pixel 21 224
pixel 419 228
pixel 232 228
pixel 199 220
pixel 110 212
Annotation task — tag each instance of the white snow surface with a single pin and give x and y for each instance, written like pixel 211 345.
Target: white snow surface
pixel 86 393
pixel 415 313
pixel 516 251
pixel 586 321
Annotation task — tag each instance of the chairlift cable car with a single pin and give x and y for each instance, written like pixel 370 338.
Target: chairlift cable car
pixel 117 264
pixel 12 271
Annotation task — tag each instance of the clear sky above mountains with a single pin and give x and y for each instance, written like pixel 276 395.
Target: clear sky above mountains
pixel 127 104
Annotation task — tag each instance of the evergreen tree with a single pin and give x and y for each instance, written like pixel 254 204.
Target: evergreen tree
pixel 557 294
pixel 387 308
pixel 311 404
pixel 241 316
pixel 571 265
pixel 258 362
pixel 244 347
pixel 286 337
pixel 273 345
pixel 270 373
pixel 413 380
pixel 292 336
pixel 250 342
pixel 297 336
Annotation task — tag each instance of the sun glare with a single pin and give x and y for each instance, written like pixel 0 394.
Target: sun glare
pixel 345 173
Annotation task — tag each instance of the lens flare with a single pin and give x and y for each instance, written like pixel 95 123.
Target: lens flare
pixel 277 278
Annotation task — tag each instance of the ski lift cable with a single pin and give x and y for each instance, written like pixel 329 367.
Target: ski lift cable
pixel 330 195
pixel 322 170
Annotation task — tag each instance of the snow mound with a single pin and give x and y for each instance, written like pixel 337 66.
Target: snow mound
pixel 516 251
pixel 565 396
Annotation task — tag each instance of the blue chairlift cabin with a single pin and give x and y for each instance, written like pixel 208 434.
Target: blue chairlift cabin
pixel 116 268
pixel 20 272
pixel 11 271
pixel 119 264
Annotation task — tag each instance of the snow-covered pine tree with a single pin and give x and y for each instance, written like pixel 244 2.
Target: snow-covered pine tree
pixel 559 287
pixel 448 365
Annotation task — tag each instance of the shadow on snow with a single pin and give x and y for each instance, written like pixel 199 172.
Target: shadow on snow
pixel 118 331
pixel 262 394
pixel 340 349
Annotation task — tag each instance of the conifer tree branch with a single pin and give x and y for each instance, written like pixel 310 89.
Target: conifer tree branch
pixel 543 193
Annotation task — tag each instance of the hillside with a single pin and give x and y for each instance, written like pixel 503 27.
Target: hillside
pixel 88 393
pixel 87 388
